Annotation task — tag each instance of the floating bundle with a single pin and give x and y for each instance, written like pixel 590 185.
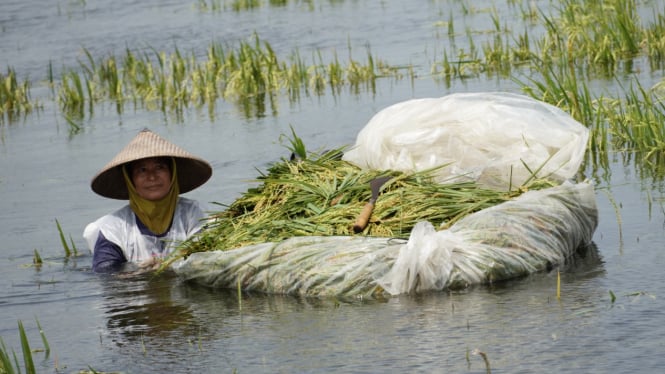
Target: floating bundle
pixel 323 196
pixel 533 232
pixel 475 188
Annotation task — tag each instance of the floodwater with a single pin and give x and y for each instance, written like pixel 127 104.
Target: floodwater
pixel 162 325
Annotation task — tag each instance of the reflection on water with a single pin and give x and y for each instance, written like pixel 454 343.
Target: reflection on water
pixel 146 306
pixel 586 262
pixel 163 316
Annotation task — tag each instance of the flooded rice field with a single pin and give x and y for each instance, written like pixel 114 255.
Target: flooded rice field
pixel 608 318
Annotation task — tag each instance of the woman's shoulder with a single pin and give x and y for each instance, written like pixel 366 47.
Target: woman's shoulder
pixel 110 224
pixel 118 218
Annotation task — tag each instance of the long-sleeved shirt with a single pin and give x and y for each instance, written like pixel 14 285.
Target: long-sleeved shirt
pixel 120 237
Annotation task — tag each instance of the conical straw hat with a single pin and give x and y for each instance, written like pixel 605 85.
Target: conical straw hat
pixel 192 171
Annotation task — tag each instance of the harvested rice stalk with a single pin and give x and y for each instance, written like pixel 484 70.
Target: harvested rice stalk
pixel 323 195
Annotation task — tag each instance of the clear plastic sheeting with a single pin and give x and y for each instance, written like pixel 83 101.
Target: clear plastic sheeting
pixel 495 138
pixel 537 230
pixel 318 266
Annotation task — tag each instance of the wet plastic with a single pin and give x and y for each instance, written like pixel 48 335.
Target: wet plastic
pixel 535 231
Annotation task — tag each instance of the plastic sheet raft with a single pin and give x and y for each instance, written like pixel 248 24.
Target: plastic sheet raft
pixel 534 232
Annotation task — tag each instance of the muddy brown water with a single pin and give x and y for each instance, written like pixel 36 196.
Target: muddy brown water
pixel 162 325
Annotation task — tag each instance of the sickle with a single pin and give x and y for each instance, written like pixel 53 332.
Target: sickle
pixel 363 218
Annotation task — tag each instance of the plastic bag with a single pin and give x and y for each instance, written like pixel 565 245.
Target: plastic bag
pixel 487 137
pixel 536 230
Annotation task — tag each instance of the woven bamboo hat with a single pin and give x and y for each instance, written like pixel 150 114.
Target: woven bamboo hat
pixel 192 171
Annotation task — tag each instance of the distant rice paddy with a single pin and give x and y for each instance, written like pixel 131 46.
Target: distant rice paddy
pixel 580 41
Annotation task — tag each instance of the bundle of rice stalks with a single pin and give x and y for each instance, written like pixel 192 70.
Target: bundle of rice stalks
pixel 323 195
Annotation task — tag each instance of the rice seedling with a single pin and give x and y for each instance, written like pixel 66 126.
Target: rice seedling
pixel 497 56
pixel 655 43
pixel 68 251
pixel 47 347
pixel 14 97
pixel 209 6
pixel 10 363
pixel 250 76
pixel 37 259
pixel 71 95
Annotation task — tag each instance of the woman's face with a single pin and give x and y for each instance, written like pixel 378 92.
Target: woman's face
pixel 151 178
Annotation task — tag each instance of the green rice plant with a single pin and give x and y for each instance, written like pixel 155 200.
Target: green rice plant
pixel 521 52
pixel 497 56
pixel 6 363
pixel 68 251
pixel 654 41
pixel 14 97
pixel 111 78
pixel 251 76
pixel 335 73
pixel 594 33
pixel 37 259
pixel 297 146
pixel 71 95
pixel 238 5
pixel 357 73
pixel 47 347
pixel 640 126
pixel 561 87
pixel 209 6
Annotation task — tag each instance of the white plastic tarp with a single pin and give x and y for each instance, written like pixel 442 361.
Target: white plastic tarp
pixel 496 138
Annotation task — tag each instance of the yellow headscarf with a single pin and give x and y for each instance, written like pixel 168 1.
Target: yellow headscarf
pixel 156 215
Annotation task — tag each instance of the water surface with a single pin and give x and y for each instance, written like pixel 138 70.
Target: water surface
pixel 159 325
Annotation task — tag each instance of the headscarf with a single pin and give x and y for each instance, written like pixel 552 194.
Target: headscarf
pixel 155 215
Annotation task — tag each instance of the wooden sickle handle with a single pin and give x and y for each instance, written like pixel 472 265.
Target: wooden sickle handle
pixel 363 218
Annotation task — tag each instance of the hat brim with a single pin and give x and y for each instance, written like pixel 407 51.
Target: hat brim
pixel 192 171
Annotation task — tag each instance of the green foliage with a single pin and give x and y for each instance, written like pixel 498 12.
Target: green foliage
pixel 9 364
pixel 68 251
pixel 14 97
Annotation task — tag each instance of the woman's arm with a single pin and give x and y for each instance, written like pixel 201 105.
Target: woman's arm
pixel 107 256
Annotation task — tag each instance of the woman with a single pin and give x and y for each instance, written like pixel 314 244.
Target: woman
pixel 151 173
